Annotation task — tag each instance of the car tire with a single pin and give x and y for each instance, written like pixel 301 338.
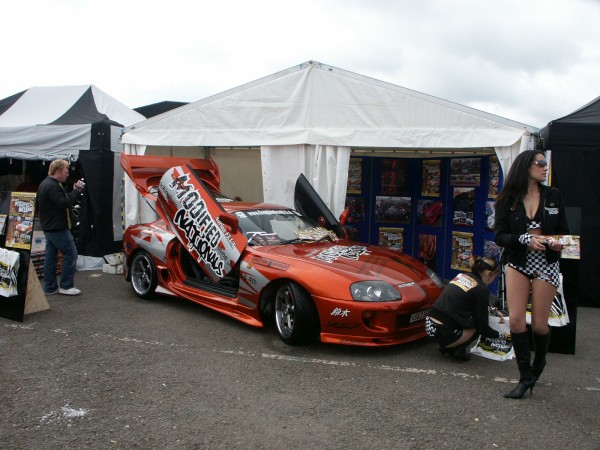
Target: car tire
pixel 144 278
pixel 296 318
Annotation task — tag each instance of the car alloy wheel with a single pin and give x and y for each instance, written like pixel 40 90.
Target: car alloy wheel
pixel 296 317
pixel 144 278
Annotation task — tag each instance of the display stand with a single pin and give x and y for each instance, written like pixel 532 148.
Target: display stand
pixel 16 236
pixel 35 298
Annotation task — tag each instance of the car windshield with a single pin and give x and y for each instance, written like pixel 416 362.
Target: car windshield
pixel 279 226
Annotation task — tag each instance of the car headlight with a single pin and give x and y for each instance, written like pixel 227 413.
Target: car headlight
pixel 374 291
pixel 435 278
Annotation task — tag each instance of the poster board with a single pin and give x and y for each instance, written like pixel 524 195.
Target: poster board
pixel 26 295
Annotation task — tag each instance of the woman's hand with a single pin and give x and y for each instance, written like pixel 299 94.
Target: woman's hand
pixel 554 244
pixel 537 243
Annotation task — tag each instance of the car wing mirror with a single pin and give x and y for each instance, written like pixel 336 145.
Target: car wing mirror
pixel 230 220
pixel 344 216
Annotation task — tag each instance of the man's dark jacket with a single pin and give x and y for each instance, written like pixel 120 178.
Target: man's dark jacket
pixel 53 203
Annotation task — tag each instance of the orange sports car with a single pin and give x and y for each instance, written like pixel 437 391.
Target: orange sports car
pixel 262 263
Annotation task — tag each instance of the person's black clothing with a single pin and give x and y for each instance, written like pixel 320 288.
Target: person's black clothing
pixel 511 222
pixel 52 204
pixel 464 304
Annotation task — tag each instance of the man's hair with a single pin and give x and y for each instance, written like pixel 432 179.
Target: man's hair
pixel 57 165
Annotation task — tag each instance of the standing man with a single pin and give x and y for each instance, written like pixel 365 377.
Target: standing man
pixel 53 203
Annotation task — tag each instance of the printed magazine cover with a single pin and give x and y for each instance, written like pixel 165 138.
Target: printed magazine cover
pixel 393 176
pixel 392 209
pixel 20 220
pixel 494 177
pixel 392 237
pixel 427 247
pixel 464 200
pixel 354 176
pixel 462 250
pixel 465 172
pixel 431 178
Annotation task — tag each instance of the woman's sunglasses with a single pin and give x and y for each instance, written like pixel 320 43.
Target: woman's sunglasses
pixel 540 163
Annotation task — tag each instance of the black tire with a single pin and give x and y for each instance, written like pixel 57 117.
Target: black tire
pixel 144 278
pixel 296 318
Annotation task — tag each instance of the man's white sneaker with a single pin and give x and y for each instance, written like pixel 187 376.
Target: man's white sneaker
pixel 70 291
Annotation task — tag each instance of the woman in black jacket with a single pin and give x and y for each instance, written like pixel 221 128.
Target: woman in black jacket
pixel 460 314
pixel 527 214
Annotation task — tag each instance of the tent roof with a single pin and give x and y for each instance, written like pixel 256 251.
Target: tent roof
pixel 579 130
pixel 50 122
pixel 317 104
pixel 155 109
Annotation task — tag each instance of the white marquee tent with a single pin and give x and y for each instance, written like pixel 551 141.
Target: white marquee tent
pixel 75 123
pixel 309 119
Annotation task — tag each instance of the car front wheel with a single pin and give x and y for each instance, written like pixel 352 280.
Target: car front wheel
pixel 296 317
pixel 143 275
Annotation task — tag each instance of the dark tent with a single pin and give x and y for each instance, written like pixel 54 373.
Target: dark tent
pixel 81 124
pixel 158 108
pixel 575 144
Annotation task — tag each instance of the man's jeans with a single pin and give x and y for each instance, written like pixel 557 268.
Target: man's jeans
pixel 63 241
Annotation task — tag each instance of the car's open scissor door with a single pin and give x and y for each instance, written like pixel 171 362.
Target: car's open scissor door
pixel 308 203
pixel 209 233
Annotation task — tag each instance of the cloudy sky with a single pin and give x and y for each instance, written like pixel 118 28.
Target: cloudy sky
pixel 526 60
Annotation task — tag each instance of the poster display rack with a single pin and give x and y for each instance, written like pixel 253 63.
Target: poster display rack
pixel 21 292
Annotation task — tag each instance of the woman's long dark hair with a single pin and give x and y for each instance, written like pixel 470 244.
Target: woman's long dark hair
pixel 517 181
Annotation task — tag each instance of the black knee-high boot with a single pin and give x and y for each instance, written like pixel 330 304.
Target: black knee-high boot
pixel 461 350
pixel 520 343
pixel 541 342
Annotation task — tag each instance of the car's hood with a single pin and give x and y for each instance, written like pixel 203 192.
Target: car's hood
pixel 353 260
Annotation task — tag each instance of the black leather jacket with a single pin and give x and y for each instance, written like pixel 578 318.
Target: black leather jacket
pixel 52 204
pixel 465 305
pixel 511 222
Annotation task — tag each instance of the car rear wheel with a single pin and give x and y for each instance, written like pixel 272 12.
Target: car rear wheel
pixel 143 275
pixel 296 317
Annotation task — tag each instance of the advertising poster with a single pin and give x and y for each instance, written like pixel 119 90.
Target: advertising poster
pixel 354 176
pixel 392 237
pixel 392 209
pixel 462 250
pixel 357 209
pixel 427 247
pixel 393 176
pixel 494 177
pixel 490 215
pixel 431 178
pixel 465 172
pixel 429 212
pixel 464 200
pixel 19 228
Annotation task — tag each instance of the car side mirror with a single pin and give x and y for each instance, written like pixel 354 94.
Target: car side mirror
pixel 344 216
pixel 230 220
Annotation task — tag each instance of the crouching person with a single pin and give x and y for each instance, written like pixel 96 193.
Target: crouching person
pixel 460 314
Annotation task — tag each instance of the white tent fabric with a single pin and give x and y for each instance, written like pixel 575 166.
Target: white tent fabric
pixel 47 123
pixel 324 166
pixel 315 106
pixel 38 125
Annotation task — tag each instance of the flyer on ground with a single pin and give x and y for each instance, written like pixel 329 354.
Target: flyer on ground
pixel 19 228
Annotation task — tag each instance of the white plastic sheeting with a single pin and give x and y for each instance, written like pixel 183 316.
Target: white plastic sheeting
pixel 324 166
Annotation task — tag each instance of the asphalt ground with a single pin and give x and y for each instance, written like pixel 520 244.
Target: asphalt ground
pixel 106 370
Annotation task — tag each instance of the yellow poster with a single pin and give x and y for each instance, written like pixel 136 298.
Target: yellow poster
pixel 462 250
pixel 19 228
